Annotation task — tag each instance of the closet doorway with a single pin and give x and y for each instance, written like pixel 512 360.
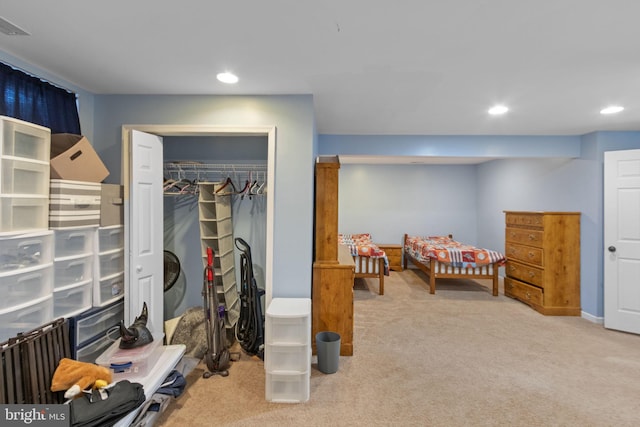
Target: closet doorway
pixel 142 169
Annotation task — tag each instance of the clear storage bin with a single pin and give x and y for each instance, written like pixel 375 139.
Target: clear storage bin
pixel 24 139
pixel 288 321
pixel 24 177
pixel 110 238
pixel 287 388
pixel 72 300
pixel 74 241
pixel 72 270
pixel 108 290
pixel 131 363
pixel 111 263
pixel 23 286
pixel 22 214
pixel 26 317
pixel 26 250
pixel 92 325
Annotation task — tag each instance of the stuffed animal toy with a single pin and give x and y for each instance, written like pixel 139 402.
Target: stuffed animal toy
pixel 74 376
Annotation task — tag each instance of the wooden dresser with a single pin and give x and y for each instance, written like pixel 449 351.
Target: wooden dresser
pixel 333 266
pixel 543 261
pixel 394 255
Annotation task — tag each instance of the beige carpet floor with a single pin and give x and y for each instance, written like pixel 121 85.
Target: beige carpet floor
pixel 460 357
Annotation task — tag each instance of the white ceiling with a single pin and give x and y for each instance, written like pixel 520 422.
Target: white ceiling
pixel 417 67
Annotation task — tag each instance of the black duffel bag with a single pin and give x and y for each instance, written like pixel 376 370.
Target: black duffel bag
pixel 93 409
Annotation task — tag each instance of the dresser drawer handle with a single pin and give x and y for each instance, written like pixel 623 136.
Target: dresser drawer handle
pixel 532 237
pixel 528 295
pixel 532 274
pixel 512 268
pixel 532 255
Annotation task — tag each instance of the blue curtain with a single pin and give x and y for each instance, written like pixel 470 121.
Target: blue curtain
pixel 33 100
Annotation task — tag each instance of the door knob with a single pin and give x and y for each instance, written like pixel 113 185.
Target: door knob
pixel 139 269
pixel 612 248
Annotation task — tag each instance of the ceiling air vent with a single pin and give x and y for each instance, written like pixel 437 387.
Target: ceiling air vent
pixel 10 29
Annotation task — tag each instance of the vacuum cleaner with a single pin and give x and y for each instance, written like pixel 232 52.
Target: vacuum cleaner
pixel 250 326
pixel 217 357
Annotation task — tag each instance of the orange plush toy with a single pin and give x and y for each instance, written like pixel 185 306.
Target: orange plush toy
pixel 74 376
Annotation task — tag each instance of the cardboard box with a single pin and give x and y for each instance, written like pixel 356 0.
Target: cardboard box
pixel 73 157
pixel 111 205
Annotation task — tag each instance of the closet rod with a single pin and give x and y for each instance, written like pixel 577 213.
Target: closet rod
pixel 214 167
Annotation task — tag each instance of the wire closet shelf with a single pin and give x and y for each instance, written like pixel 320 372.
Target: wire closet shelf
pixel 182 178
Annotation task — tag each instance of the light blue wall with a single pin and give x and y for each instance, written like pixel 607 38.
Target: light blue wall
pixel 294 120
pixel 390 200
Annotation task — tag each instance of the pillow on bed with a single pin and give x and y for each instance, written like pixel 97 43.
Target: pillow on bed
pixel 354 239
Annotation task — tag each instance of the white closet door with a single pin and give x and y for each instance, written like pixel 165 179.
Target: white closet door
pixel 145 230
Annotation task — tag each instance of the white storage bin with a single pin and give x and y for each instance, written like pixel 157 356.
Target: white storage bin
pixel 287 359
pixel 72 300
pixel 288 321
pixel 74 241
pixel 23 213
pixel 287 388
pixel 25 317
pixel 72 270
pixel 24 139
pixel 23 286
pixel 24 177
pixel 26 250
pixel 90 326
pixel 90 352
pixel 108 289
pixel 131 363
pixel 111 263
pixel 110 238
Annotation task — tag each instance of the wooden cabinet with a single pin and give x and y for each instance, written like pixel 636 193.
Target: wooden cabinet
pixel 333 269
pixel 543 260
pixel 394 255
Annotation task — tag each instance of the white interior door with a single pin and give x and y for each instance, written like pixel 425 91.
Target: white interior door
pixel 145 227
pixel 622 240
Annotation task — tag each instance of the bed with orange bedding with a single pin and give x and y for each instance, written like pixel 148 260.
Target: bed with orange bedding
pixel 443 257
pixel 369 259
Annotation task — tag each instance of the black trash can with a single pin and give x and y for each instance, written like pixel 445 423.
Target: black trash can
pixel 328 348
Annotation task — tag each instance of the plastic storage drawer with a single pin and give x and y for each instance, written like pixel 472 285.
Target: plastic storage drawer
pixel 108 289
pixel 23 213
pixel 88 328
pixel 90 352
pixel 111 263
pixel 26 317
pixel 287 388
pixel 23 286
pixel 24 177
pixel 287 359
pixel 74 241
pixel 288 321
pixel 72 300
pixel 72 270
pixel 25 140
pixel 26 250
pixel 110 238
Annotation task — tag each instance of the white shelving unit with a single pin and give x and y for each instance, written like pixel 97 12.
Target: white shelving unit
pixel 108 283
pixel 216 232
pixel 287 358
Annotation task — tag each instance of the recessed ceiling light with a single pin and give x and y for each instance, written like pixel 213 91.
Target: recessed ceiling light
pixel 497 110
pixel 227 77
pixel 611 109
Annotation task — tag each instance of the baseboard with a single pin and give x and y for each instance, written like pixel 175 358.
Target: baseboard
pixel 592 318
